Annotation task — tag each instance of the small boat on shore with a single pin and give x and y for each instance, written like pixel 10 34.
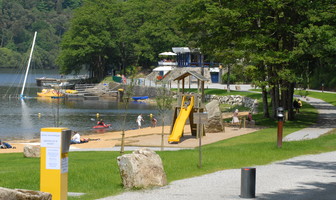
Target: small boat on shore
pixel 71 91
pixel 140 98
pixel 50 93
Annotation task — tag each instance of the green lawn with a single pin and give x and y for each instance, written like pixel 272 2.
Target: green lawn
pixel 327 97
pixel 97 175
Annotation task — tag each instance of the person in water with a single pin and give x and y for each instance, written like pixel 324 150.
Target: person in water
pixel 154 121
pixel 139 120
pixel 101 123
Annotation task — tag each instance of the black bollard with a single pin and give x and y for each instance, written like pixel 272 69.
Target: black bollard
pixel 248 182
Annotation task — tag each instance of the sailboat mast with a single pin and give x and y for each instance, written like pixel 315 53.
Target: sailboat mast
pixel 27 70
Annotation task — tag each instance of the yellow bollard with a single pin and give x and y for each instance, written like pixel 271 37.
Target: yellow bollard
pixel 55 144
pixel 39 115
pixel 97 115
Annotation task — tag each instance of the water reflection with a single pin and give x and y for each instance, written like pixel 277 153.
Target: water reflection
pixel 79 115
pixel 20 119
pixel 26 121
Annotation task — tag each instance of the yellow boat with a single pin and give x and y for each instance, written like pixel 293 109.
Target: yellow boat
pixel 50 93
pixel 71 91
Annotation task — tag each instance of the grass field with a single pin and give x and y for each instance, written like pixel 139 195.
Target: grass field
pixel 97 174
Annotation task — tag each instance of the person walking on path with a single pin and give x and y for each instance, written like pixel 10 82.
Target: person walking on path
pixel 300 105
pixel 139 120
pixel 296 106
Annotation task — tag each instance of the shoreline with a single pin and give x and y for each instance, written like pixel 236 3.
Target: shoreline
pixel 144 137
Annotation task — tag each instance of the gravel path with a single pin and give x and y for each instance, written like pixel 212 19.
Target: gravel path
pixel 305 177
pixel 326 122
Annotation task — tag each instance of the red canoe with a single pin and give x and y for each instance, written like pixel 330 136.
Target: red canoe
pixel 102 126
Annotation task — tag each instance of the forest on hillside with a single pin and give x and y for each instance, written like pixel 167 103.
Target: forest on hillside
pixel 19 19
pixel 285 43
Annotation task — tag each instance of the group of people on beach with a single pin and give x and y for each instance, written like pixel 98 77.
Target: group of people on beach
pixel 77 139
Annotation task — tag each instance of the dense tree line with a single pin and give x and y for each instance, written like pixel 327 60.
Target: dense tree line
pixel 283 42
pixel 119 34
pixel 19 19
pixel 276 44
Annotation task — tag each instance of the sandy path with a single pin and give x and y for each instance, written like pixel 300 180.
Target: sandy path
pixel 150 137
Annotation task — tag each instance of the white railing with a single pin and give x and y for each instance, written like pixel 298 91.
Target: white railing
pixel 162 63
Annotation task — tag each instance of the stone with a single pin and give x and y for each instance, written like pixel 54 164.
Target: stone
pixel 215 123
pixel 31 151
pixel 237 100
pixel 141 169
pixel 19 194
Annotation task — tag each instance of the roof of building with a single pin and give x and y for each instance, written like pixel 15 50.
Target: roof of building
pixel 191 73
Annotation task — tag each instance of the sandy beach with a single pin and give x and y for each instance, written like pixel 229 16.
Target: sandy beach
pixel 145 137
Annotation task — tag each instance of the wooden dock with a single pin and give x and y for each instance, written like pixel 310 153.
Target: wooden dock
pixel 56 81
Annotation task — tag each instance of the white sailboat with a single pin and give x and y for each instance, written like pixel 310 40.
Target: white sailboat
pixel 22 96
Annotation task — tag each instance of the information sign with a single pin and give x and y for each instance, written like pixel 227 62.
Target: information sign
pixel 200 118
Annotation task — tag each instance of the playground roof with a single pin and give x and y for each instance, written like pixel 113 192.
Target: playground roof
pixel 192 73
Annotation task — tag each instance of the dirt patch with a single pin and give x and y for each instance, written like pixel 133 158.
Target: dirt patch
pixel 146 137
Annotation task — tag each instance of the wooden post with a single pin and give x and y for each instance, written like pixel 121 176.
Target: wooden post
pixel 280 125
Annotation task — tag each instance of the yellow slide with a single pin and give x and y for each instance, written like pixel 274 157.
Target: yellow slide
pixel 181 120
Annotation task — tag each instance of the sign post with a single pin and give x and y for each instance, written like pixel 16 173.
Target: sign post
pixel 55 143
pixel 280 114
pixel 200 120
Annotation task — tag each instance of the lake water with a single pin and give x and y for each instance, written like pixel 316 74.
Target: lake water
pixel 20 119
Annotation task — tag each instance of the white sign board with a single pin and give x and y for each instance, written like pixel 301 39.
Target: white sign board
pixel 200 118
pixel 53 158
pixel 64 165
pixel 51 139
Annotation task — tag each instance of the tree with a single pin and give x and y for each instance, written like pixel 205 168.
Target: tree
pixel 164 102
pixel 125 33
pixel 9 58
pixel 128 93
pixel 265 34
pixel 20 19
pixel 89 40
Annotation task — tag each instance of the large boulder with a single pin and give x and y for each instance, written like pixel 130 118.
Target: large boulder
pixel 31 151
pixel 141 169
pixel 18 194
pixel 215 123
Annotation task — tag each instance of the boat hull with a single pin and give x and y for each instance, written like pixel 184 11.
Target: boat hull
pixel 140 98
pixel 50 93
pixel 102 127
